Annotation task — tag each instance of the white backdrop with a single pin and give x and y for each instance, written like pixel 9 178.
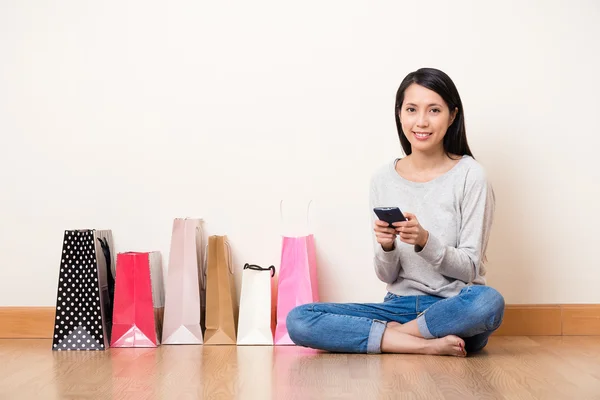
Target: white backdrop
pixel 127 114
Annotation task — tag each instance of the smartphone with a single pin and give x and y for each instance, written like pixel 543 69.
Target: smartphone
pixel 389 215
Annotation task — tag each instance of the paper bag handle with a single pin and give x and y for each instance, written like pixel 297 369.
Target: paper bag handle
pixel 259 268
pixel 205 266
pixel 107 255
pixel 109 276
pixel 230 257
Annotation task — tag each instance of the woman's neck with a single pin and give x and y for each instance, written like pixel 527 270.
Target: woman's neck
pixel 421 161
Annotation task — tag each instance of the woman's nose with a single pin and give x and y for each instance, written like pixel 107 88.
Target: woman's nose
pixel 422 120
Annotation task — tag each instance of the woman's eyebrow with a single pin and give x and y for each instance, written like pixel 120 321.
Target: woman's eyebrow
pixel 431 105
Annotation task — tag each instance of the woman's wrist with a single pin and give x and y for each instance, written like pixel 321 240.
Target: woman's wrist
pixel 388 247
pixel 424 239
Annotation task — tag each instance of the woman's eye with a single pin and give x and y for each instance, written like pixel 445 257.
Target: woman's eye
pixel 410 109
pixel 436 110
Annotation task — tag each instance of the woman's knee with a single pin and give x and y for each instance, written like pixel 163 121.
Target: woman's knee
pixel 297 324
pixel 489 305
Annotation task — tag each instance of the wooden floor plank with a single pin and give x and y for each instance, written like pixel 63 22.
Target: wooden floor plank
pixel 493 367
pixel 576 360
pixel 535 367
pixel 509 368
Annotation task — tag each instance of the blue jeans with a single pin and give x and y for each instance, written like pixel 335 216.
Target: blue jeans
pixel 474 314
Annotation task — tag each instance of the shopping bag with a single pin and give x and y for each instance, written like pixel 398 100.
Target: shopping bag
pixel 255 315
pixel 85 291
pixel 184 299
pixel 297 281
pixel 221 304
pixel 139 300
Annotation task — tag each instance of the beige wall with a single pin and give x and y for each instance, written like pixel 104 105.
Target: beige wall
pixel 124 115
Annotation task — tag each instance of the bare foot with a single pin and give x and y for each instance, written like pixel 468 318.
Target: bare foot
pixel 394 341
pixel 447 346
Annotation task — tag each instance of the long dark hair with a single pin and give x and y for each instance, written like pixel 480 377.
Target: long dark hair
pixel 455 141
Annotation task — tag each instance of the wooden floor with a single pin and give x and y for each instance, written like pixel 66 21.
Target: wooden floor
pixel 510 368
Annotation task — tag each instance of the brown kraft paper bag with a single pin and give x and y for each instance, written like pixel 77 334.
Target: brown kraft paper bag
pixel 221 304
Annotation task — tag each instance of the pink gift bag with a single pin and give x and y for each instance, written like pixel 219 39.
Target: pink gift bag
pixel 139 300
pixel 297 282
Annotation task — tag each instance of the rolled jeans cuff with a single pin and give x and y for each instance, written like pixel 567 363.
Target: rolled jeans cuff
pixel 423 329
pixel 376 336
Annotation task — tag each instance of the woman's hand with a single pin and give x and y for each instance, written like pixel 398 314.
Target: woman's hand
pixel 411 231
pixel 386 236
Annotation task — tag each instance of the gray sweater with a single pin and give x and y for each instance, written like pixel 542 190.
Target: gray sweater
pixel 457 209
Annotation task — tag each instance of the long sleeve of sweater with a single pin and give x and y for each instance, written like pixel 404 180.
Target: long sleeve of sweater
pixel 387 263
pixel 476 212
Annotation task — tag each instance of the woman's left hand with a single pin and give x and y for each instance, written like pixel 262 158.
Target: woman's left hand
pixel 411 231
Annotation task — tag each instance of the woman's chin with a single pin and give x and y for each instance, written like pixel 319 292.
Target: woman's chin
pixel 425 146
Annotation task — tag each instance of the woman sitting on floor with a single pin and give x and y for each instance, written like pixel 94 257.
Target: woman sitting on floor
pixel 434 262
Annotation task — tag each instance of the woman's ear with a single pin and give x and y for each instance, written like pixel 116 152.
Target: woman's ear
pixel 453 115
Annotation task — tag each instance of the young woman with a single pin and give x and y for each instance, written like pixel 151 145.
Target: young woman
pixel 433 263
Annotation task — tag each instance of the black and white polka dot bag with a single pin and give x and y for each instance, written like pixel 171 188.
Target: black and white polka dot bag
pixel 85 291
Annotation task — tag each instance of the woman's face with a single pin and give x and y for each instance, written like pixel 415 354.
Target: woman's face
pixel 425 118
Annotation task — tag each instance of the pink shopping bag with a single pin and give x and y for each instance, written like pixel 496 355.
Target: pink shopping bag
pixel 139 300
pixel 297 282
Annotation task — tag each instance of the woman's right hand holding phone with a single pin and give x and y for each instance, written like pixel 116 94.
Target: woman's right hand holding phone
pixel 386 236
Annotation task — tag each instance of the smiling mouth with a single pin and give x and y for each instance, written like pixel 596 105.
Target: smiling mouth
pixel 422 135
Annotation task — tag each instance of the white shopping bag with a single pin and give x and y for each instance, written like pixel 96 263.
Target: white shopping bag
pixel 256 323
